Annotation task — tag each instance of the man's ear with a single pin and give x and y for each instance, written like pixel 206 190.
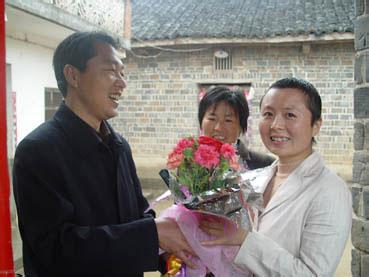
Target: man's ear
pixel 71 75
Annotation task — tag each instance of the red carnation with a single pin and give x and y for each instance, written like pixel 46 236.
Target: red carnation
pixel 211 142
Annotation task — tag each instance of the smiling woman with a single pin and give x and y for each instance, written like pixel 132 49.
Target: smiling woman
pixel 307 208
pixel 286 126
pixel 223 114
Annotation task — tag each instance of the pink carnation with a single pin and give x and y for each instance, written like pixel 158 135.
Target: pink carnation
pixel 174 160
pixel 183 144
pixel 227 151
pixel 206 156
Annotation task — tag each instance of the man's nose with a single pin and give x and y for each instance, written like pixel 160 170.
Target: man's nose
pixel 121 81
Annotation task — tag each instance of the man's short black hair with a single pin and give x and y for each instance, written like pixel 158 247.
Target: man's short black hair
pixel 76 50
pixel 313 100
pixel 234 98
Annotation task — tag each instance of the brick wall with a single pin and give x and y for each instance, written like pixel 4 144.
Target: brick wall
pixel 160 102
pixel 360 189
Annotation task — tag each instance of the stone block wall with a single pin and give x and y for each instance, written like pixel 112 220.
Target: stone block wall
pixel 360 172
pixel 160 103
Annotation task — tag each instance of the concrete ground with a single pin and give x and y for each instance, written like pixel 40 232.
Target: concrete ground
pixel 343 270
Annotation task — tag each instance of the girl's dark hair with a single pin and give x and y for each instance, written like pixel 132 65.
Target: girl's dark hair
pixel 234 98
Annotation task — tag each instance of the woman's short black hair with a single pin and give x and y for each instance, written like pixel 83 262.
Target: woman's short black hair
pixel 76 50
pixel 233 97
pixel 313 100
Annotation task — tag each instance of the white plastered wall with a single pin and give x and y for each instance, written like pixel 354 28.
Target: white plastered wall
pixel 31 70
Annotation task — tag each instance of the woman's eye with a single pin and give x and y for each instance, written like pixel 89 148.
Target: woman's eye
pixel 267 114
pixel 291 115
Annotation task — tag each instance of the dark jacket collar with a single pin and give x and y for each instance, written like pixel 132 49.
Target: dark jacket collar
pixel 242 150
pixel 82 136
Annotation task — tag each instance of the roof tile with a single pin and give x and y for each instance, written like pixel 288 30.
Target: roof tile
pixel 171 19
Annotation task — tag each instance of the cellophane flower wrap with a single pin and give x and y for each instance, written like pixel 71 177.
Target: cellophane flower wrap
pixel 206 184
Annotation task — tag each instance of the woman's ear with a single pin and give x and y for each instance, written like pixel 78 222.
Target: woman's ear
pixel 71 75
pixel 316 127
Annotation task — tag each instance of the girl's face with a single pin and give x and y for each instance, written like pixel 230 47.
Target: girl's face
pixel 221 122
pixel 285 124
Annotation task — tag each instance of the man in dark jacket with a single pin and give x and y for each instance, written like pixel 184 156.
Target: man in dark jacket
pixel 80 205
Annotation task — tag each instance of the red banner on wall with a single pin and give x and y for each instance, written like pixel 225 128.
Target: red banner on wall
pixel 6 254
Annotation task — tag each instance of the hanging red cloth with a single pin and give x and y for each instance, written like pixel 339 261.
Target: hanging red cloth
pixel 6 253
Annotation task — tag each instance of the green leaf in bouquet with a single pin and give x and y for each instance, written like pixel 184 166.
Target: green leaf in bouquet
pixel 188 153
pixel 201 181
pixel 223 166
pixel 182 180
pixel 218 184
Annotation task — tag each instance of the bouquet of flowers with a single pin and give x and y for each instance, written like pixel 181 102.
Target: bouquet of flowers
pixel 205 182
pixel 201 163
pixel 204 175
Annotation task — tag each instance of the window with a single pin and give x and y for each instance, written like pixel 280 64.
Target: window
pixel 53 99
pixel 222 60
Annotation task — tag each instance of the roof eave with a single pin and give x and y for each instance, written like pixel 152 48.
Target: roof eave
pixel 311 38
